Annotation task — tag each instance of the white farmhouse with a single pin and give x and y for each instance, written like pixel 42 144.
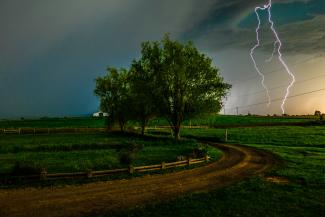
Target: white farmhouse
pixel 100 114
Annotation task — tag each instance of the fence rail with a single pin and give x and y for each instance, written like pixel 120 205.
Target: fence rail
pixel 44 175
pixel 96 130
pixel 33 131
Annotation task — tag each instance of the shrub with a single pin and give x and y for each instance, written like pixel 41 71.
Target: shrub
pixel 200 151
pixel 26 168
pixel 127 158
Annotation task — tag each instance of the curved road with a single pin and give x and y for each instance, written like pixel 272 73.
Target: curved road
pixel 237 163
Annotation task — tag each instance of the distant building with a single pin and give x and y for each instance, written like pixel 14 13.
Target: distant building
pixel 100 114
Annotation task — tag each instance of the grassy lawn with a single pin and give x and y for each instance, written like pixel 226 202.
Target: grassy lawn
pixel 209 120
pixel 302 150
pixel 293 136
pixel 219 120
pixel 230 120
pixel 79 152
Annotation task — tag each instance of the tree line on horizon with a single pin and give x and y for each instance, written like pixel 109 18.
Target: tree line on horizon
pixel 170 80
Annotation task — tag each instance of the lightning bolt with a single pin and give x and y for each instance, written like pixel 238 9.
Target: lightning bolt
pixel 277 49
pixel 252 55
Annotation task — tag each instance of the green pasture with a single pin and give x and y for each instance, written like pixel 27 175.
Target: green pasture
pixel 207 120
pixel 301 150
pixel 302 154
pixel 77 122
pixel 80 152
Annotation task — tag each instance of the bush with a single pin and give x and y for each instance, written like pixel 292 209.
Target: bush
pixel 127 154
pixel 200 151
pixel 127 158
pixel 26 168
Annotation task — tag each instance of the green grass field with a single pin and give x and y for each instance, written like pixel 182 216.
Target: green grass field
pixel 54 123
pixel 80 152
pixel 208 120
pixel 231 120
pixel 220 120
pixel 302 150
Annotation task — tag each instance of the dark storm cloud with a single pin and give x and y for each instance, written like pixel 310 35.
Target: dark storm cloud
pixel 51 51
pixel 304 35
pixel 307 37
pixel 229 13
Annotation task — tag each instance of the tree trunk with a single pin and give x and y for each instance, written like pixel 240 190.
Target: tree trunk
pixel 109 124
pixel 143 125
pixel 122 127
pixel 122 124
pixel 176 130
pixel 143 128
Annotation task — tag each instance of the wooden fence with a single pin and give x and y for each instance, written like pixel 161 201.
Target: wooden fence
pixel 43 131
pixel 33 131
pixel 44 175
pixel 96 130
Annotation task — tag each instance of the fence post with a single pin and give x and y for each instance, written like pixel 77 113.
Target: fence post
pixel 43 174
pixel 206 158
pixel 89 174
pixel 163 165
pixel 226 135
pixel 189 162
pixel 19 130
pixel 131 169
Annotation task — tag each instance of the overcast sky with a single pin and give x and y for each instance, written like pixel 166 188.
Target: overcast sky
pixel 51 51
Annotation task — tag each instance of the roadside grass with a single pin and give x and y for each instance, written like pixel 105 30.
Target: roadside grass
pixel 301 148
pixel 302 151
pixel 250 198
pixel 81 152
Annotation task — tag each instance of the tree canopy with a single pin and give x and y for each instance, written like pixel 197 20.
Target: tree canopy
pixel 170 79
pixel 114 92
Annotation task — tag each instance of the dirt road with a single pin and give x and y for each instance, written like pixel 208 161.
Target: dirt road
pixel 237 163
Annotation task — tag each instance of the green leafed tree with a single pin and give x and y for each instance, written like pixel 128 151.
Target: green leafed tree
pixel 113 89
pixel 141 84
pixel 184 81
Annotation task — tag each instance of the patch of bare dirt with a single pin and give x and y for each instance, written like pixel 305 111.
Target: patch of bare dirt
pixel 278 180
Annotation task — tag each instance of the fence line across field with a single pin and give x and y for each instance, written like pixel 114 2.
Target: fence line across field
pixel 72 130
pixel 44 175
pixel 50 130
pixel 96 130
